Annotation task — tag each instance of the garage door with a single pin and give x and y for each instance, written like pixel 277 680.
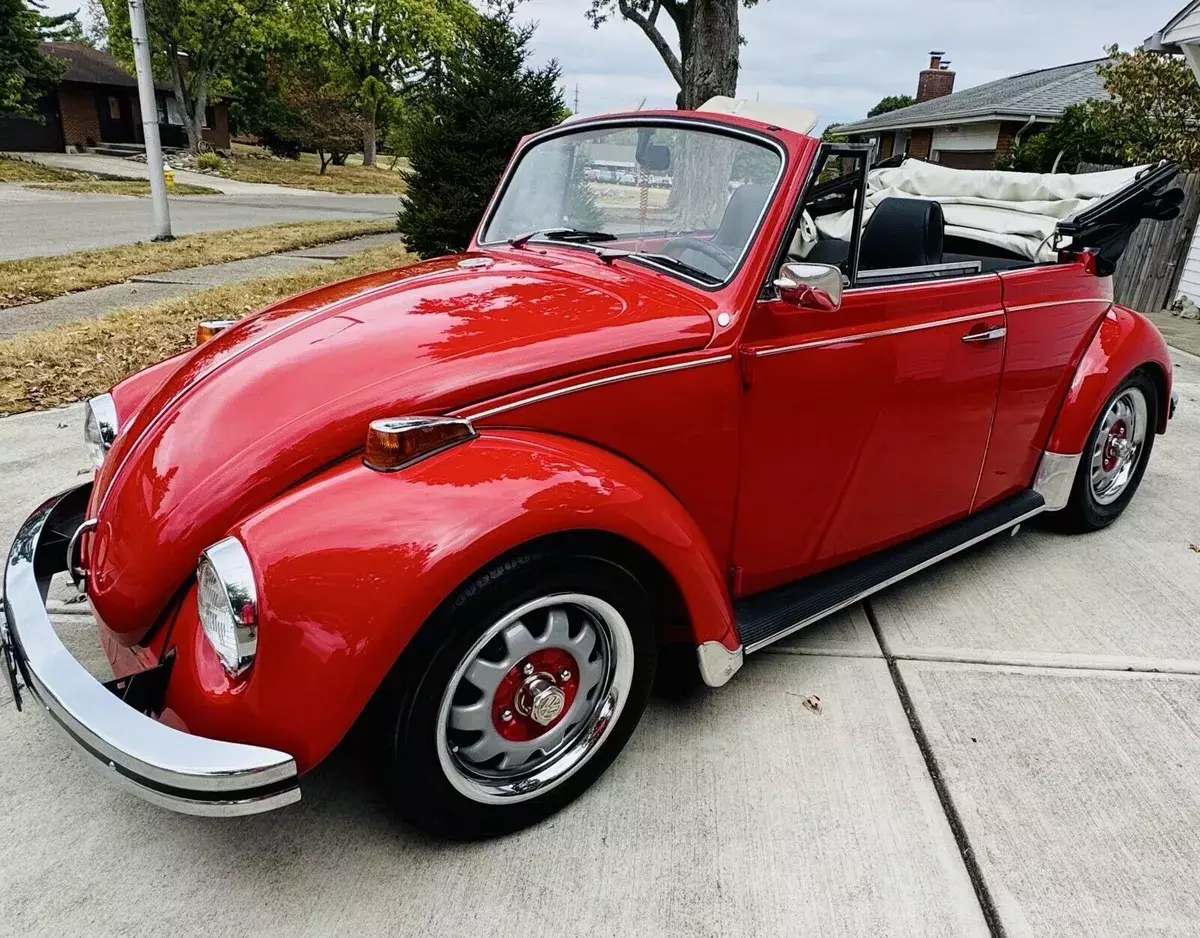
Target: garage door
pixel 967 159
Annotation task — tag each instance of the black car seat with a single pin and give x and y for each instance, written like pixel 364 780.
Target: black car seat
pixel 737 227
pixel 903 233
pixel 741 216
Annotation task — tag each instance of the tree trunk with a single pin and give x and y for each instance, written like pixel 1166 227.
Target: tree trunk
pixel 200 94
pixel 369 133
pixel 709 52
pixel 189 127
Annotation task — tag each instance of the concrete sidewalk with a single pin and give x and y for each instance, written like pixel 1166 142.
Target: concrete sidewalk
pixel 150 288
pixel 120 168
pixel 996 717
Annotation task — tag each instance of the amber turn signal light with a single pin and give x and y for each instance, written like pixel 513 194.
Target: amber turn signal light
pixel 210 327
pixel 395 442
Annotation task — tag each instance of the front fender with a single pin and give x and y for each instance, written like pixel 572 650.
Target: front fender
pixel 1124 342
pixel 351 563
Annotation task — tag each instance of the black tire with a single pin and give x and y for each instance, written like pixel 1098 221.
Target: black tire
pixel 1084 512
pixel 406 718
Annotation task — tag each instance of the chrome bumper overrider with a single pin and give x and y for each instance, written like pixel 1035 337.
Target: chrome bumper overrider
pixel 170 768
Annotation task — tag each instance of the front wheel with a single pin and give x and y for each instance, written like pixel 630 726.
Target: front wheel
pixel 517 695
pixel 1114 458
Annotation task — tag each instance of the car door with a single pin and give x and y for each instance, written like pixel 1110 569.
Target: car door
pixel 864 426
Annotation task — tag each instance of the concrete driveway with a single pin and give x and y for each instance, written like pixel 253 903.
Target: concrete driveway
pixel 1007 743
pixel 35 221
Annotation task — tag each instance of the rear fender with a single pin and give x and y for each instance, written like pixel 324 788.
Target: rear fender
pixel 1124 342
pixel 351 564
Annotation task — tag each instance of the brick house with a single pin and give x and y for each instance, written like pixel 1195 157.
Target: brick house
pixel 96 103
pixel 969 129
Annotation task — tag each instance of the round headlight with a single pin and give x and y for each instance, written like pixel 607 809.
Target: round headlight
pixel 228 603
pixel 99 427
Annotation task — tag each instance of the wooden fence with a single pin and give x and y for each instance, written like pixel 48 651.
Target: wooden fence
pixel 1147 277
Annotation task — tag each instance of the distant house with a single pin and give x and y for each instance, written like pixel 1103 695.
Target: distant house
pixel 969 129
pixel 96 105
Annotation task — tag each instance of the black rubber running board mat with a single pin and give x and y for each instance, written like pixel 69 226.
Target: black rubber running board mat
pixel 763 617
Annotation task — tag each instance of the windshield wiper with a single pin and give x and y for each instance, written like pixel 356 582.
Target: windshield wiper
pixel 668 261
pixel 562 234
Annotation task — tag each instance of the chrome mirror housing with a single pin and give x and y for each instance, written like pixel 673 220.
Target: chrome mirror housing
pixel 810 286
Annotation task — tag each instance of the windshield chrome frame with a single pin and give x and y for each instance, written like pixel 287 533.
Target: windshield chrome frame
pixel 581 126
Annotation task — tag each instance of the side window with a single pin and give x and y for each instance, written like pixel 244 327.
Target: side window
pixel 831 211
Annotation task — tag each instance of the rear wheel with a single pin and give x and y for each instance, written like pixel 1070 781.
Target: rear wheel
pixel 517 695
pixel 1115 456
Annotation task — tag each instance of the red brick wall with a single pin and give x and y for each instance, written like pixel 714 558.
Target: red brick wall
pixel 217 133
pixel 77 103
pixel 934 83
pixel 920 143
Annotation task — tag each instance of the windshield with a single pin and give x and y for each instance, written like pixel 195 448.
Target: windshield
pixel 686 199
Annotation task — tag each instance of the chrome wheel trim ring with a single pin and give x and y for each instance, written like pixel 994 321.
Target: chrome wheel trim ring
pixel 1118 446
pixel 585 726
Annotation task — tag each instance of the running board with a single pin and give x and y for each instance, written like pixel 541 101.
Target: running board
pixel 767 617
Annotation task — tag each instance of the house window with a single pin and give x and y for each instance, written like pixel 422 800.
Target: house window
pixel 168 111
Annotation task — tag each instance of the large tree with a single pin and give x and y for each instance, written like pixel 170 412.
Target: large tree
pixel 893 102
pixel 25 71
pixel 193 43
pixel 464 124
pixel 386 46
pixel 705 64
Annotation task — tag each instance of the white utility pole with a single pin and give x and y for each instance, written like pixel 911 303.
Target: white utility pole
pixel 154 157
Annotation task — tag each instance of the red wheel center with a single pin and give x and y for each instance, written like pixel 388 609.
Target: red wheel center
pixel 535 687
pixel 1112 449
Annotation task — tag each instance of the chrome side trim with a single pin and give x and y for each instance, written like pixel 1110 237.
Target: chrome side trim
pixel 860 596
pixel 1055 478
pixel 876 334
pixel 469 414
pixel 177 770
pixel 718 664
pixel 1090 299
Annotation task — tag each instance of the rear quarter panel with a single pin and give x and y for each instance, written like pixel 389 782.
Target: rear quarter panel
pixel 1052 313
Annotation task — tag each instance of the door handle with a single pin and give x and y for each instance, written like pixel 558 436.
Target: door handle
pixel 987 335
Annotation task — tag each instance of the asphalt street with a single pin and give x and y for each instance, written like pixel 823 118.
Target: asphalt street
pixel 1024 714
pixel 35 222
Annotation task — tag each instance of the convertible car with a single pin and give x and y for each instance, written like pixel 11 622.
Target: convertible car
pixel 465 506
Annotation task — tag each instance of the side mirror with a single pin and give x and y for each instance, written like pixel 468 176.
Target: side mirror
pixel 810 286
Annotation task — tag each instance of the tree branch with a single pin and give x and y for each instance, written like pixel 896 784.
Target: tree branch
pixel 646 22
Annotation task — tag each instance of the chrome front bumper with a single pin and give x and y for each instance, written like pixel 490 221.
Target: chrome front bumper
pixel 170 768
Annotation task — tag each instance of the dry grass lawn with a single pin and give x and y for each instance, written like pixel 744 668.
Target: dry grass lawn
pixel 36 176
pixel 38 278
pixel 86 357
pixel 136 187
pixel 305 173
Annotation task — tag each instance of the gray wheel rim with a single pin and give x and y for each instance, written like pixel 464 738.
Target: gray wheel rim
pixel 1118 446
pixel 476 758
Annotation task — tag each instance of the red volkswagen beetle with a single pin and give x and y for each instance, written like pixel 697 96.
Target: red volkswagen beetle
pixel 467 503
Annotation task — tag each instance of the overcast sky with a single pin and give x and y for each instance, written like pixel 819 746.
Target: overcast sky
pixel 839 57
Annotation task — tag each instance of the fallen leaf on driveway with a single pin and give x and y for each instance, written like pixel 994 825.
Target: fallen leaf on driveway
pixel 1195 547
pixel 812 703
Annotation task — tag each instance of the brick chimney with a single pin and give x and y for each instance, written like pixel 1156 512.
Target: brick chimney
pixel 937 81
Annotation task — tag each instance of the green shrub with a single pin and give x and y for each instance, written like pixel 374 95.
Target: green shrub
pixel 462 129
pixel 208 161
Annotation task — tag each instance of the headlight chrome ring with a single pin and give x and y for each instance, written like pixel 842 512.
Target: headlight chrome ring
pixel 100 427
pixel 227 602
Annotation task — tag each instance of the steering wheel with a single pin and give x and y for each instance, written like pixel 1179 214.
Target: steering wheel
pixel 707 248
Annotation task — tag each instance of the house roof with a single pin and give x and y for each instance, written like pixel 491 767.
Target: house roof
pixel 1182 27
pixel 1044 93
pixel 90 66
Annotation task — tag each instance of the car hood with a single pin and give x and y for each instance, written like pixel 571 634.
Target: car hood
pixel 292 389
